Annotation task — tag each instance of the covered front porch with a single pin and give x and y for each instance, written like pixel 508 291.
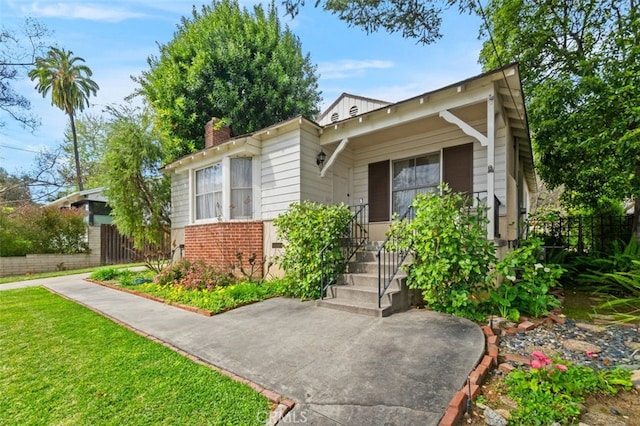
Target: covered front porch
pixel 472 135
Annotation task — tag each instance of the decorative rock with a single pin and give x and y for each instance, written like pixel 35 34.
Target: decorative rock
pixel 495 321
pixel 504 413
pixel 635 377
pixel 591 327
pixel 510 403
pixel 491 418
pixel 506 368
pixel 549 339
pixel 581 346
pixel 526 325
pixel 558 319
pixel 634 346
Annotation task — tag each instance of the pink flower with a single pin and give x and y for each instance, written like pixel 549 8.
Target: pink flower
pixel 590 353
pixel 536 363
pixel 541 357
pixel 561 367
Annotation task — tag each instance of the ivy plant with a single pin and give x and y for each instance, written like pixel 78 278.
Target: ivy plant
pixel 452 257
pixel 305 229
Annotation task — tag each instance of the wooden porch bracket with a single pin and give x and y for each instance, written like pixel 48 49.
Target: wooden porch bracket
pixel 332 158
pixel 466 128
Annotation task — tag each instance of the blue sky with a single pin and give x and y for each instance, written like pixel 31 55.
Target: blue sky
pixel 116 38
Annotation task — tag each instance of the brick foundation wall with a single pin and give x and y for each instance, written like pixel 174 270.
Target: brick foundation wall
pixel 218 243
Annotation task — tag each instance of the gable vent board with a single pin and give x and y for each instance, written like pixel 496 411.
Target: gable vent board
pixel 353 111
pixel 334 117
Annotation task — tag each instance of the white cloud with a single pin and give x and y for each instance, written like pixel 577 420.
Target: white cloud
pixel 348 68
pixel 72 10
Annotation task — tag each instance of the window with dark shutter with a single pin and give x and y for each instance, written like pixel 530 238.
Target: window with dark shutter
pixel 458 167
pixel 379 191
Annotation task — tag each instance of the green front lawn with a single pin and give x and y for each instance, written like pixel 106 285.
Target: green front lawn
pixel 61 363
pixel 16 278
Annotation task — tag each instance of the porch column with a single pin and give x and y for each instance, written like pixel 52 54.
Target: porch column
pixel 490 142
pixel 491 183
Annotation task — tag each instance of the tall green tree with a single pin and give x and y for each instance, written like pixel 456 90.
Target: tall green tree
pixel 138 193
pixel 70 84
pixel 581 65
pixel 229 63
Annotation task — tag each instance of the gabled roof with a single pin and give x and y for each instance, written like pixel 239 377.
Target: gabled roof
pixel 93 194
pixel 508 89
pixel 348 99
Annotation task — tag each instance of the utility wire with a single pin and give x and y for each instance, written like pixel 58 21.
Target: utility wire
pixel 495 51
pixel 19 149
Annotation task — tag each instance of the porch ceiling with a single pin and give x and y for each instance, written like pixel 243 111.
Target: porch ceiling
pixel 417 128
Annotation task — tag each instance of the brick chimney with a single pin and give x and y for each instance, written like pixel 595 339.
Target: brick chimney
pixel 214 136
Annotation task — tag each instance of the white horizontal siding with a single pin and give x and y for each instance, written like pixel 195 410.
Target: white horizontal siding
pixel 280 173
pixel 179 200
pixel 313 187
pixel 409 147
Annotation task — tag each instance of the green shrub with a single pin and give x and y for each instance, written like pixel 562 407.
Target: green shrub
pixel 452 257
pixel 306 229
pixel 30 229
pixel 525 283
pixel 108 273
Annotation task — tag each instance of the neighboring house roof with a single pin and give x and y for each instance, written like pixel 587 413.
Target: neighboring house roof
pixel 94 194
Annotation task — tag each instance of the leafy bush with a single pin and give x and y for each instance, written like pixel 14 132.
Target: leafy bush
pixel 107 273
pixel 452 257
pixel 526 282
pixel 306 229
pixel 30 229
pixel 193 276
pixel 553 391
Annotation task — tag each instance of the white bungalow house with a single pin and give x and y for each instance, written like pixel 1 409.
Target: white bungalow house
pixel 472 134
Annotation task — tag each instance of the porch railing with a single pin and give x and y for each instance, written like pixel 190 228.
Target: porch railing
pixel 353 236
pixel 391 255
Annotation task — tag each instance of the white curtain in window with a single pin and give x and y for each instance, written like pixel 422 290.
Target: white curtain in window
pixel 413 176
pixel 241 190
pixel 209 192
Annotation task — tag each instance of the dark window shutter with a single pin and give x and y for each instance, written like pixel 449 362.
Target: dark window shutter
pixel 458 168
pixel 379 192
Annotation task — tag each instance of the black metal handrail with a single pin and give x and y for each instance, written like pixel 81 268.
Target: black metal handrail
pixel 391 255
pixel 353 236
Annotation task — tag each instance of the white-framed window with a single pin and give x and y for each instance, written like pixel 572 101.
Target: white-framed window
pixel 208 192
pixel 224 190
pixel 241 204
pixel 412 176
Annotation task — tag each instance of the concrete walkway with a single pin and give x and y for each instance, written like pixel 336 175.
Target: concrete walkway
pixel 340 368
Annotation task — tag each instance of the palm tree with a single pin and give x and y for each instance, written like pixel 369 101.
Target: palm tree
pixel 70 85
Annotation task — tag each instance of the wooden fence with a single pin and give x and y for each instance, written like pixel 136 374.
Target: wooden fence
pixel 116 248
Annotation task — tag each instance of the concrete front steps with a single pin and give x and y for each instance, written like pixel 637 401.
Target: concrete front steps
pixel 357 290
